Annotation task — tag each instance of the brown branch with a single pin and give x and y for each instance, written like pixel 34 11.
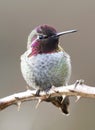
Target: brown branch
pixel 77 89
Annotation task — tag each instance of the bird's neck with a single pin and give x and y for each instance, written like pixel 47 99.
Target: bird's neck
pixel 35 50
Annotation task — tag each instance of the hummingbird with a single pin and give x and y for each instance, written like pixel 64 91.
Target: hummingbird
pixel 45 63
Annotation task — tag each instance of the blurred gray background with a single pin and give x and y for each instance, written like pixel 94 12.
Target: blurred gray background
pixel 17 19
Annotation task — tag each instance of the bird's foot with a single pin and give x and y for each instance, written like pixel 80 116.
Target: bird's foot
pixel 38 93
pixel 47 89
pixel 81 81
pixel 65 105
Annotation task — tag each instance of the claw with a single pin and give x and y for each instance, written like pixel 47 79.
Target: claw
pixel 38 93
pixel 81 81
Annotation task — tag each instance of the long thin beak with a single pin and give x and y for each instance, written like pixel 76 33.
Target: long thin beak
pixel 63 33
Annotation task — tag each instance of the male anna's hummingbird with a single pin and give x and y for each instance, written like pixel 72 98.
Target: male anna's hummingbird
pixel 45 63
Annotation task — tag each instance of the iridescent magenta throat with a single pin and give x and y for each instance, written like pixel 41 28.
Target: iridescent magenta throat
pixel 35 49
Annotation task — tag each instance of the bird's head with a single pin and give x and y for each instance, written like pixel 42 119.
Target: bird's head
pixel 44 39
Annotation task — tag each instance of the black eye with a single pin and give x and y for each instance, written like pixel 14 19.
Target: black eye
pixel 42 37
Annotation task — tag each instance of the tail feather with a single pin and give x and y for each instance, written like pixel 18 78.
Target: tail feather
pixel 65 104
pixel 61 103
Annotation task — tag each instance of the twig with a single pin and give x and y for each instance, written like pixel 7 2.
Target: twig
pixel 78 89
